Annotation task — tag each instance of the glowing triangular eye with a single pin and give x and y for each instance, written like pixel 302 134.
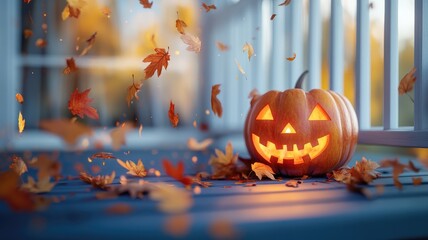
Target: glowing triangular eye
pixel 265 114
pixel 318 114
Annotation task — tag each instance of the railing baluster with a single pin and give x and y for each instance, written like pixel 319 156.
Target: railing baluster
pixel 390 97
pixel 315 51
pixel 421 64
pixel 262 45
pixel 362 67
pixel 278 52
pixel 296 43
pixel 336 46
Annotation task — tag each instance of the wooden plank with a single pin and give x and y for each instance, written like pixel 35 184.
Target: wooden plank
pixel 315 40
pixel 421 64
pixel 362 65
pixel 336 46
pixel 390 70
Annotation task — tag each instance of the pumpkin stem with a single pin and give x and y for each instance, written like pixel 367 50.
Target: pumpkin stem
pixel 302 78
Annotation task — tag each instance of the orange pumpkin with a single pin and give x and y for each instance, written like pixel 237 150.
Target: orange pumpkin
pixel 301 133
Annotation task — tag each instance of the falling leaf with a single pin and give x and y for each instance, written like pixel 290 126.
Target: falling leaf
pixel 19 98
pixel 407 82
pixel 71 66
pixel 21 123
pixel 119 209
pixel 272 17
pixel 193 42
pixel 72 9
pixel 134 169
pixel 292 58
pixel 103 155
pixel 79 104
pixel 69 131
pixel 46 166
pixel 41 43
pixel 285 3
pixel 224 164
pixel 417 181
pixel 106 11
pixel 293 183
pixel 208 7
pixel 221 46
pixel 157 61
pixel 18 165
pixel 173 117
pixel 118 136
pixel 171 199
pixel 100 181
pixel 241 70
pixel 249 49
pixel 194 145
pixel 89 43
pixel 215 102
pixel 176 172
pixel 17 199
pixel 28 33
pixel 133 91
pixel 146 3
pixel 261 170
pixel 180 25
pixel 42 186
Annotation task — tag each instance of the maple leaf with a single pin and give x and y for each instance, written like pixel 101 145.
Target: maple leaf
pixel 194 145
pixel 28 33
pixel 241 70
pixel 42 186
pixel 208 7
pixel 46 166
pixel 407 83
pixel 177 172
pixel 68 130
pixel 221 46
pixel 17 199
pixel 173 117
pixel 133 91
pixel 215 102
pixel 18 165
pixel 41 43
pixel 157 61
pixel 118 136
pixel 89 43
pixel 249 49
pixel 261 170
pixel 146 3
pixel 272 17
pixel 100 181
pixel 21 123
pixel 285 3
pixel 193 42
pixel 71 66
pixel 224 164
pixel 292 57
pixel 134 169
pixel 171 199
pixel 180 25
pixel 79 104
pixel 19 98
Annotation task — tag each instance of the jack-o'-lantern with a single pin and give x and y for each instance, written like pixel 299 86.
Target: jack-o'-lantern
pixel 301 133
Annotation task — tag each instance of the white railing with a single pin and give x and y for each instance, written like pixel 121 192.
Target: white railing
pixel 278 39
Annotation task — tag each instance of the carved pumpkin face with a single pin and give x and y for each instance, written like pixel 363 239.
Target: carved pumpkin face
pixel 301 133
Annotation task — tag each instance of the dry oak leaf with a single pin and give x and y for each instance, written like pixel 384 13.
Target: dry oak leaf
pixel 249 49
pixel 292 58
pixel 46 166
pixel 171 199
pixel 100 181
pixel 17 199
pixel 407 82
pixel 79 104
pixel 157 61
pixel 21 123
pixel 134 169
pixel 177 172
pixel 19 98
pixel 146 3
pixel 261 170
pixel 173 117
pixel 68 130
pixel 193 42
pixel 194 145
pixel 285 3
pixel 208 7
pixel 89 43
pixel 180 25
pixel 18 165
pixel 42 186
pixel 221 46
pixel 215 102
pixel 118 135
pixel 71 66
pixel 72 9
pixel 133 91
pixel 224 164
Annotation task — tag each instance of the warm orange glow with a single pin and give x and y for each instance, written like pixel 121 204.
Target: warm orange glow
pixel 318 114
pixel 265 114
pixel 288 129
pixel 294 154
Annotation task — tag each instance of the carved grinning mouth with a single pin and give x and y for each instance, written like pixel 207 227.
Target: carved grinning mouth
pixel 293 154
